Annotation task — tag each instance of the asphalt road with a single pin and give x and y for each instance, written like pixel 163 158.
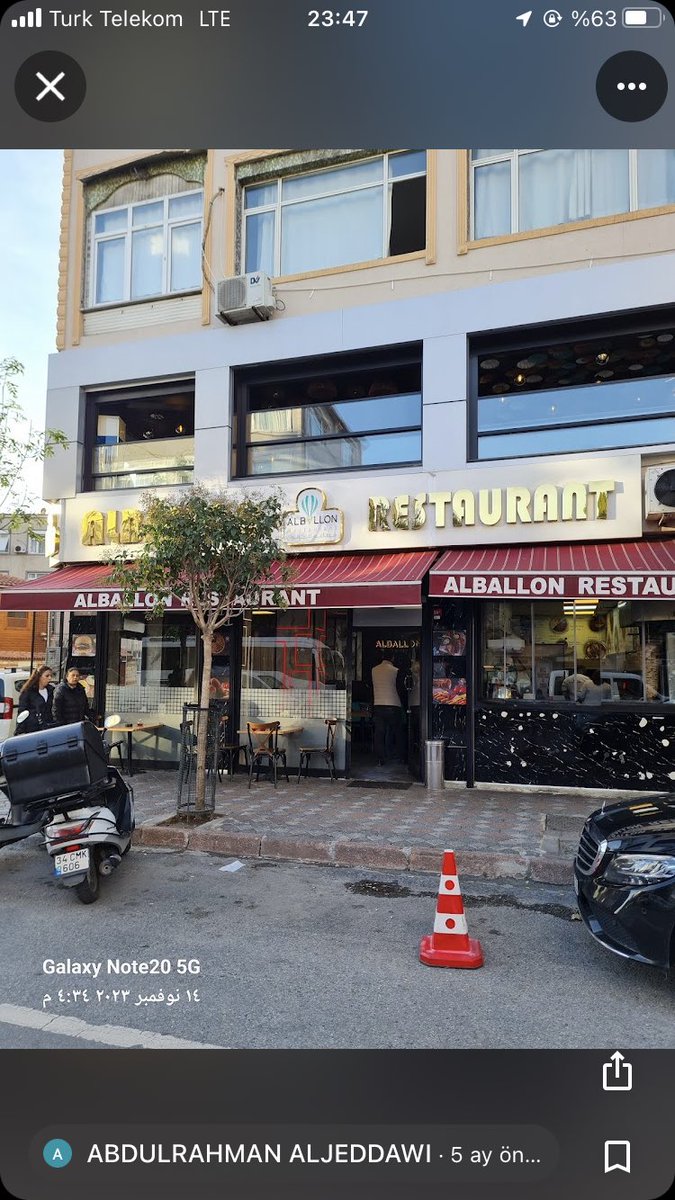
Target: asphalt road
pixel 293 956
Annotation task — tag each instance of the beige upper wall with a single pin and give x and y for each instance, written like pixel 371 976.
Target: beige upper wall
pixel 450 261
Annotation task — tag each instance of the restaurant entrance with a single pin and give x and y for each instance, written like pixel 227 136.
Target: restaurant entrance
pixel 385 706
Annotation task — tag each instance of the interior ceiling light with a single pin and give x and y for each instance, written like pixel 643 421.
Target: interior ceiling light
pixel 604 375
pixel 520 379
pixel 526 363
pixel 602 358
pixel 636 367
pixel 157 416
pixel 490 364
pixel 665 337
pixel 646 341
pixel 180 429
pixel 148 433
pixel 497 388
pixel 534 378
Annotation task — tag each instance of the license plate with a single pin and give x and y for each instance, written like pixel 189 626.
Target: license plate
pixel 68 864
pixel 576 886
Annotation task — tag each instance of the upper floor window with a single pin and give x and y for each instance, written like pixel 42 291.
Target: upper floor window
pixel 350 213
pixel 147 249
pixel 36 544
pixel 140 438
pixel 595 387
pixel 340 413
pixel 4 542
pixel 514 191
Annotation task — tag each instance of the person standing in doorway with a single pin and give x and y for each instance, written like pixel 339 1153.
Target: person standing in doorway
pixel 70 700
pixel 386 709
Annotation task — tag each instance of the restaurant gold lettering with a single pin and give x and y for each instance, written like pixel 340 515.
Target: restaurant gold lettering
pixel 549 502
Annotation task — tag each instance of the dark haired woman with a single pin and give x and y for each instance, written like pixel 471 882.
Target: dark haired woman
pixel 36 698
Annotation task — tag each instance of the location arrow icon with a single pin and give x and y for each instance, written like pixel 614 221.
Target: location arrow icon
pixel 524 17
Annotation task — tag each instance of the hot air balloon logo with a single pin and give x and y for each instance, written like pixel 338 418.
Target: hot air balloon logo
pixel 310 502
pixel 311 523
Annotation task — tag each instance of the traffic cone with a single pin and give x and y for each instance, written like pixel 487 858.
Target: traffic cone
pixel 450 945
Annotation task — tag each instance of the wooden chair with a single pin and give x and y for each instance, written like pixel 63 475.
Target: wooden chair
pixel 229 755
pixel 266 752
pixel 327 752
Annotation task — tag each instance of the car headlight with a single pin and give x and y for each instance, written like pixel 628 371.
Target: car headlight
pixel 640 869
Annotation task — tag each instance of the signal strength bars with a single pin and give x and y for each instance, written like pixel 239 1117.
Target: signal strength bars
pixel 32 20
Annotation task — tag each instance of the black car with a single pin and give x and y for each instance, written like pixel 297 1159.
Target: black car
pixel 624 878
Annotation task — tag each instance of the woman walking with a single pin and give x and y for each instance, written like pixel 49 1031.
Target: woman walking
pixel 36 698
pixel 70 700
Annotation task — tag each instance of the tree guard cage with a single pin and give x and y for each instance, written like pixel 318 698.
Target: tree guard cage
pixel 193 715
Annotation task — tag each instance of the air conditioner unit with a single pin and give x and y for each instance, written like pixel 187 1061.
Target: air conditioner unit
pixel 244 298
pixel 659 490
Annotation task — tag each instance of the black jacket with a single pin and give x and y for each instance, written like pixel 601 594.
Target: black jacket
pixel 70 704
pixel 39 710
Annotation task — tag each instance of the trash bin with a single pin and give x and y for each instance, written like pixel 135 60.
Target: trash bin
pixel 434 763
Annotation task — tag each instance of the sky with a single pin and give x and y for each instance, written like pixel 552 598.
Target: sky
pixel 30 207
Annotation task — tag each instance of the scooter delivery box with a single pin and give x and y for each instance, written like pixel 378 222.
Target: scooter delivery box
pixel 41 766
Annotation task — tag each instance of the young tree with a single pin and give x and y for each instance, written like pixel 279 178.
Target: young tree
pixel 215 549
pixel 20 444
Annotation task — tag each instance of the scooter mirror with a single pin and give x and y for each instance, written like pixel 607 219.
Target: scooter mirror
pixel 23 716
pixel 112 721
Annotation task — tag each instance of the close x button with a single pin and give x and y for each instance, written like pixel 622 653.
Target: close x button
pixel 50 86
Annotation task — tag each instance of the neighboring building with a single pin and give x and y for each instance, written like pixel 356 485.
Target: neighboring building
pixel 23 634
pixel 22 553
pixel 465 391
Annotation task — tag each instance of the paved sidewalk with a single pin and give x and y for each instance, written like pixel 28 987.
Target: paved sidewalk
pixel 497 835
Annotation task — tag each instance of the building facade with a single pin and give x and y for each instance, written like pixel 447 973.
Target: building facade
pixel 465 392
pixel 23 634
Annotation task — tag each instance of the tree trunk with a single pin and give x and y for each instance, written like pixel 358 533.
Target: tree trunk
pixel 200 794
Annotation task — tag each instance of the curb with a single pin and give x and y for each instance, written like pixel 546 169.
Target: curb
pixel 347 852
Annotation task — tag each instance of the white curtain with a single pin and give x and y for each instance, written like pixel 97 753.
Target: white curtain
pixel 260 242
pixel 331 232
pixel 110 271
pixel 559 186
pixel 492 200
pixel 656 178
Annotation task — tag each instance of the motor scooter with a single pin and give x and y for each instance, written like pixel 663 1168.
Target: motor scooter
pixel 82 806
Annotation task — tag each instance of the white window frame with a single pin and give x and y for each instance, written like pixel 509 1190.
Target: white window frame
pixel 385 183
pixel 167 225
pixel 513 157
pixel 5 542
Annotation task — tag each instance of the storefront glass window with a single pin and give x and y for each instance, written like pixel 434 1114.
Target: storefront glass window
pixel 140 438
pixel 599 387
pixel 293 671
pixel 152 663
pixel 578 652
pixel 339 413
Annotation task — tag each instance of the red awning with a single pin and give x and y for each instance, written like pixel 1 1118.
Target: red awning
pixel 319 581
pixel 608 570
pixel 358 580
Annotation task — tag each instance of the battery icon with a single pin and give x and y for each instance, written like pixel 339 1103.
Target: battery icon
pixel 642 18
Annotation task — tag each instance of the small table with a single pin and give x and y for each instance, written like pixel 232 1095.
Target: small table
pixel 130 730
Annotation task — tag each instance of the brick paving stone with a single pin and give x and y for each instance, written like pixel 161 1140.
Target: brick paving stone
pixel 501 834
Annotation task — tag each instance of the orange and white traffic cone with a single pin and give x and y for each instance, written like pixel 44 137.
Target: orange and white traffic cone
pixel 450 945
